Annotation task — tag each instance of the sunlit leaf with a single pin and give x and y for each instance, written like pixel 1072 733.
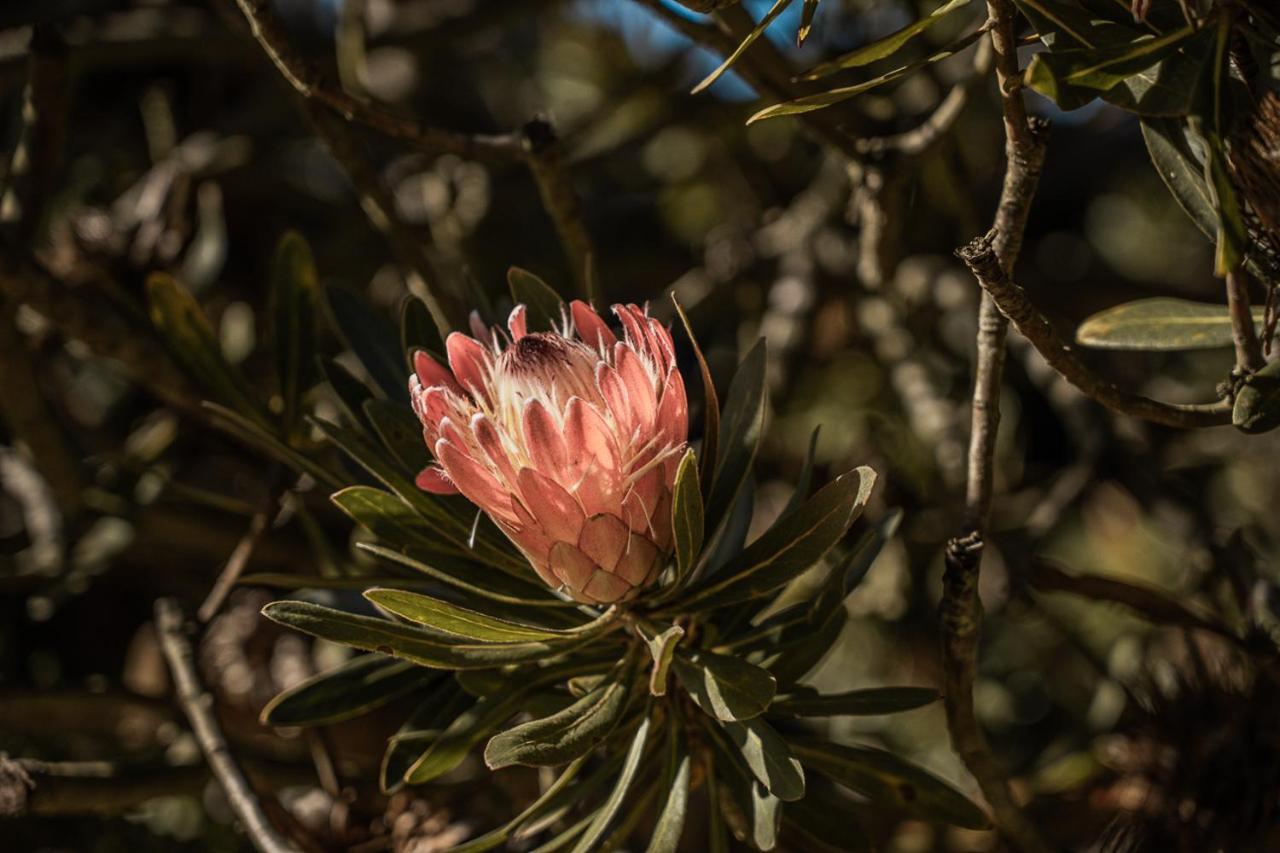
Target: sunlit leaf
pixel 726 687
pixel 1161 323
pixel 884 47
pixel 630 766
pixel 766 754
pixel 777 9
pixel 665 837
pixel 822 100
pixel 686 514
pixel 356 687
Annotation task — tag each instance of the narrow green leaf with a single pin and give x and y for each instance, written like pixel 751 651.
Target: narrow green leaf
pixel 404 641
pixel 559 806
pixel 600 823
pixel 1055 73
pixel 294 297
pixel 665 837
pixel 369 335
pixel 791 546
pixel 662 646
pixel 498 836
pixel 884 47
pixel 427 722
pixel 865 702
pixel 740 432
pixel 499 588
pixel 822 100
pixel 418 330
pixel 256 434
pixel 767 755
pixel 1180 169
pixel 400 432
pixel 887 779
pixel 711 402
pixel 777 9
pixel 726 687
pixel 349 392
pixel 805 480
pixel 1161 323
pixel 356 687
pixel 543 304
pixel 191 341
pixel 804 647
pixel 567 735
pixel 686 514
pixel 806 21
pixel 467 731
pixel 470 624
pixel 750 810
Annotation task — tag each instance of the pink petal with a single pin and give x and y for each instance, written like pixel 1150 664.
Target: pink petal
pixel 557 513
pixel 491 443
pixel 664 348
pixel 470 362
pixel 432 373
pixel 571 566
pixel 604 588
pixel 604 539
pixel 479 330
pixel 640 392
pixel 614 392
pixel 591 329
pixel 660 522
pixel 474 481
pixel 638 561
pixel 532 543
pixel 518 322
pixel 545 444
pixel 641 501
pixel 593 452
pixel 433 479
pixel 672 420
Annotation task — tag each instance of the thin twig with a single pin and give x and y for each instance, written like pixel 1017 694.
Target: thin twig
pixel 197 704
pixel 960 611
pixel 235 565
pixel 307 82
pixel 1249 358
pixel 1012 301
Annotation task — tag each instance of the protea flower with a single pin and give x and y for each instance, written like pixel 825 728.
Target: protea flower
pixel 568 440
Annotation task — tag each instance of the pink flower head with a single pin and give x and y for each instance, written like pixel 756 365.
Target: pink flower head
pixel 568 440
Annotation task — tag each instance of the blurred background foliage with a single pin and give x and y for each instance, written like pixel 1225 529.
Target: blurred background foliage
pixel 185 152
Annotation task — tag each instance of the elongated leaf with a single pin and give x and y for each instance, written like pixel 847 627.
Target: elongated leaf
pixel 567 735
pixel 884 47
pixel 372 338
pixel 441 569
pixel 466 732
pixel 777 9
pixel 806 21
pixel 256 434
pixel 401 433
pixel 191 341
pixel 418 330
pixel 686 514
pixel 1056 74
pixel 889 780
pixel 767 755
pixel 822 100
pixel 1180 169
pixel 804 646
pixel 662 646
pixel 358 686
pixel 805 480
pixel 600 823
pixel 791 546
pixel 869 701
pixel 543 304
pixel 711 403
pixel 749 809
pixel 350 393
pixel 740 432
pixel 726 687
pixel 427 722
pixel 294 295
pixel 1161 323
pixel 496 837
pixel 559 806
pixel 404 641
pixel 665 837
pixel 471 624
